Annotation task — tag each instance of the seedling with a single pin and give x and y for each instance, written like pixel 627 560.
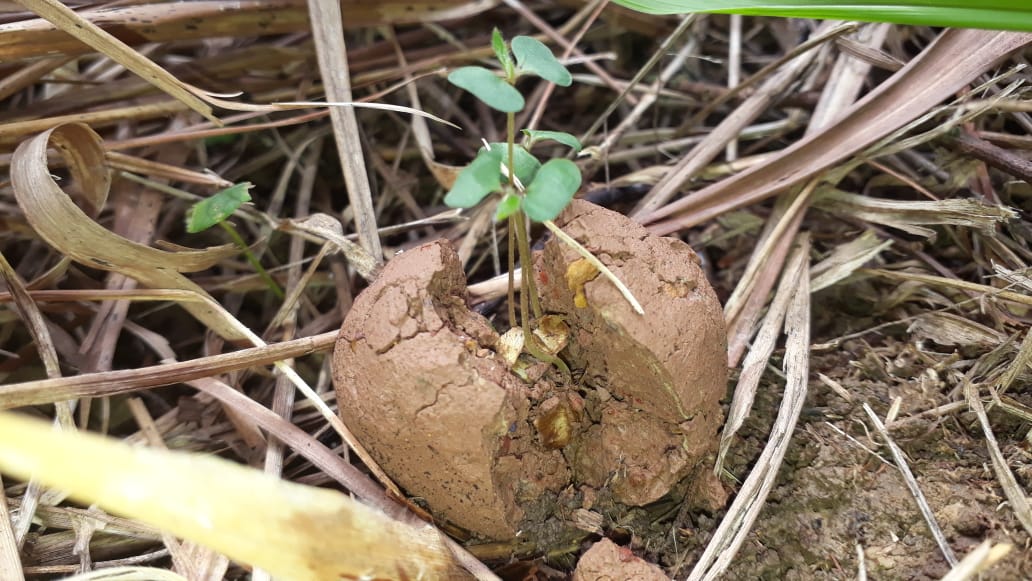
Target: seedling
pixel 528 188
pixel 215 210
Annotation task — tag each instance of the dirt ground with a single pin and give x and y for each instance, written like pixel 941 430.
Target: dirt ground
pixel 833 495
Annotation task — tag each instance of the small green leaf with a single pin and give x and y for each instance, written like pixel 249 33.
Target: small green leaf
pixel 526 164
pixel 477 181
pixel 501 51
pixel 488 87
pixel 536 58
pixel 218 207
pixel 552 189
pixel 560 136
pixel 507 207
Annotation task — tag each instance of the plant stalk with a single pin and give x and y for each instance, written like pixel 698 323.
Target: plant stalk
pixel 252 260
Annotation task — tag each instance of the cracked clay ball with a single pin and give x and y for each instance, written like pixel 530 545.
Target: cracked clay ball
pixel 501 449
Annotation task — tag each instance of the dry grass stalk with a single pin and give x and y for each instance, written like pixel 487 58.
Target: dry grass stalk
pixel 915 490
pixel 950 63
pixel 333 66
pixel 979 560
pixel 759 354
pixel 1015 494
pixel 74 24
pixel 735 526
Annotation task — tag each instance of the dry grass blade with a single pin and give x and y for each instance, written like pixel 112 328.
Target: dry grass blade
pixel 759 355
pixel 67 20
pixel 128 380
pixel 746 113
pixel 179 21
pixel 963 285
pixel 915 490
pixel 293 531
pixel 735 526
pixel 1011 489
pixel 128 574
pixel 979 560
pixel 909 216
pixel 951 329
pixel 68 229
pixel 32 317
pixel 10 554
pixel 956 58
pixel 846 259
pixel 333 67
pixel 1022 360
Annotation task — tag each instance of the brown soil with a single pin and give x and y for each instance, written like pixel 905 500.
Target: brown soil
pixel 421 383
pixel 832 495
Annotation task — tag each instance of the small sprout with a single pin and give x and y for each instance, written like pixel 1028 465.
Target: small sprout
pixel 502 54
pixel 494 91
pixel 552 189
pixel 534 57
pixel 215 210
pixel 526 165
pixel 218 207
pixel 535 135
pixel 538 191
pixel 509 205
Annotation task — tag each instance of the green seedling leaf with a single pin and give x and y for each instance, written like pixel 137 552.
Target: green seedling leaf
pixel 536 58
pixel 488 87
pixel 560 136
pixel 507 207
pixel 221 205
pixel 526 164
pixel 480 178
pixel 552 189
pixel 501 51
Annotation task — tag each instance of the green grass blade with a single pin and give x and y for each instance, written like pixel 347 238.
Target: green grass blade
pixel 992 14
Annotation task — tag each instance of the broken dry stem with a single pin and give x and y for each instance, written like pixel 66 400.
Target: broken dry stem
pixel 587 255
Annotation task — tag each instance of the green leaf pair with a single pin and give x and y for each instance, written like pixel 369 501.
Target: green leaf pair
pixel 549 187
pixel 532 57
pixel 541 191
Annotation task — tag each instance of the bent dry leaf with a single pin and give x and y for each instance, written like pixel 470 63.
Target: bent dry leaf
pixel 488 87
pixel 293 531
pixel 63 225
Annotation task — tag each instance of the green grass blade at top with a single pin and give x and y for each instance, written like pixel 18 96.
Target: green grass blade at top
pixel 991 14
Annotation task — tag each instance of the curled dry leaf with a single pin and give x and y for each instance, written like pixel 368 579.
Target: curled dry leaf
pixel 422 381
pixel 66 227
